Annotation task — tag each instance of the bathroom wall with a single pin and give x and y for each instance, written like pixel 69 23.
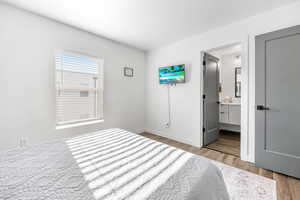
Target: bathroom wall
pixel 228 63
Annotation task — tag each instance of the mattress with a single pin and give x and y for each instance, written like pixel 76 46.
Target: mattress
pixel 111 164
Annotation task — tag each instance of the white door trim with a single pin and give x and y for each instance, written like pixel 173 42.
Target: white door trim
pixel 245 137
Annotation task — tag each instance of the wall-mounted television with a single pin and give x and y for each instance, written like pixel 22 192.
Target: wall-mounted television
pixel 172 74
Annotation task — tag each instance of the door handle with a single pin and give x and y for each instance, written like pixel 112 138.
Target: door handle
pixel 262 107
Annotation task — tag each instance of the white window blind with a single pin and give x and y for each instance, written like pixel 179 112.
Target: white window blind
pixel 79 88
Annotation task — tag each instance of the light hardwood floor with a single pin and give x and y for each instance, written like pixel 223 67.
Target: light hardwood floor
pixel 228 142
pixel 288 188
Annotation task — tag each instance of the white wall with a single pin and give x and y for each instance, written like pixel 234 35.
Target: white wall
pixel 27 83
pixel 185 98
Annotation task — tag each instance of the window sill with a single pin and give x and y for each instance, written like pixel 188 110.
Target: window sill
pixel 59 127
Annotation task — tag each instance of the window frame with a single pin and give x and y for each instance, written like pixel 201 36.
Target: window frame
pixel 81 122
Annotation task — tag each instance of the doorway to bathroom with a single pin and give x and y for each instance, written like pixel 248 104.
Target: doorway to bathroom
pixel 222 85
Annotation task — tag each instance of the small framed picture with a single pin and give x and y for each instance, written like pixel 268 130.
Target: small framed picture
pixel 128 71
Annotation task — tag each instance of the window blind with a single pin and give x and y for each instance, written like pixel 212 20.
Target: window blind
pixel 79 91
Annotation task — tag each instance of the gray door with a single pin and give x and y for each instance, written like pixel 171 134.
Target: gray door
pixel 278 101
pixel 210 99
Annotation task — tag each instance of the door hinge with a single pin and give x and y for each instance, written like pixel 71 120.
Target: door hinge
pixel 203 96
pixel 204 63
pixel 203 129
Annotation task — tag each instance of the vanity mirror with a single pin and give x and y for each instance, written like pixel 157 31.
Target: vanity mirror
pixel 238 79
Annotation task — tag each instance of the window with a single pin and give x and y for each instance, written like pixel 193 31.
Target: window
pixel 79 88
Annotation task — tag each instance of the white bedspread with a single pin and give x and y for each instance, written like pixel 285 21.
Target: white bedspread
pixel 110 164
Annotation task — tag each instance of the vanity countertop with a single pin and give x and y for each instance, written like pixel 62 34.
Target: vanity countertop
pixel 232 103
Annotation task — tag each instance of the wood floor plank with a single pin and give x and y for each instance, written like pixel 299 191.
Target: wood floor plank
pixel 288 188
pixel 229 159
pixel 265 173
pixel 228 142
pixel 252 168
pixel 294 186
pixel 220 157
pixel 283 190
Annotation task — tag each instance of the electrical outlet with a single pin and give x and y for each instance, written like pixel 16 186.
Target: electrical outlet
pixel 167 125
pixel 23 143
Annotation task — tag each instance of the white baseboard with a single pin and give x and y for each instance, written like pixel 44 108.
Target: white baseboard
pixel 230 127
pixel 172 137
pixel 139 131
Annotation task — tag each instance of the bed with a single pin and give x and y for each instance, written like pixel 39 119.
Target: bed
pixel 111 164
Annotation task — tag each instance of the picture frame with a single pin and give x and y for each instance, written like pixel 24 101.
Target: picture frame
pixel 128 71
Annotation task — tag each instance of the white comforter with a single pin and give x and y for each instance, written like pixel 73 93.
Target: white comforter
pixel 110 164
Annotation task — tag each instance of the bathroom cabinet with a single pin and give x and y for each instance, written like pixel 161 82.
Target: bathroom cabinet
pixel 230 116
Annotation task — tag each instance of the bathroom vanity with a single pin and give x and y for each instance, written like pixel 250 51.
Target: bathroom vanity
pixel 230 116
